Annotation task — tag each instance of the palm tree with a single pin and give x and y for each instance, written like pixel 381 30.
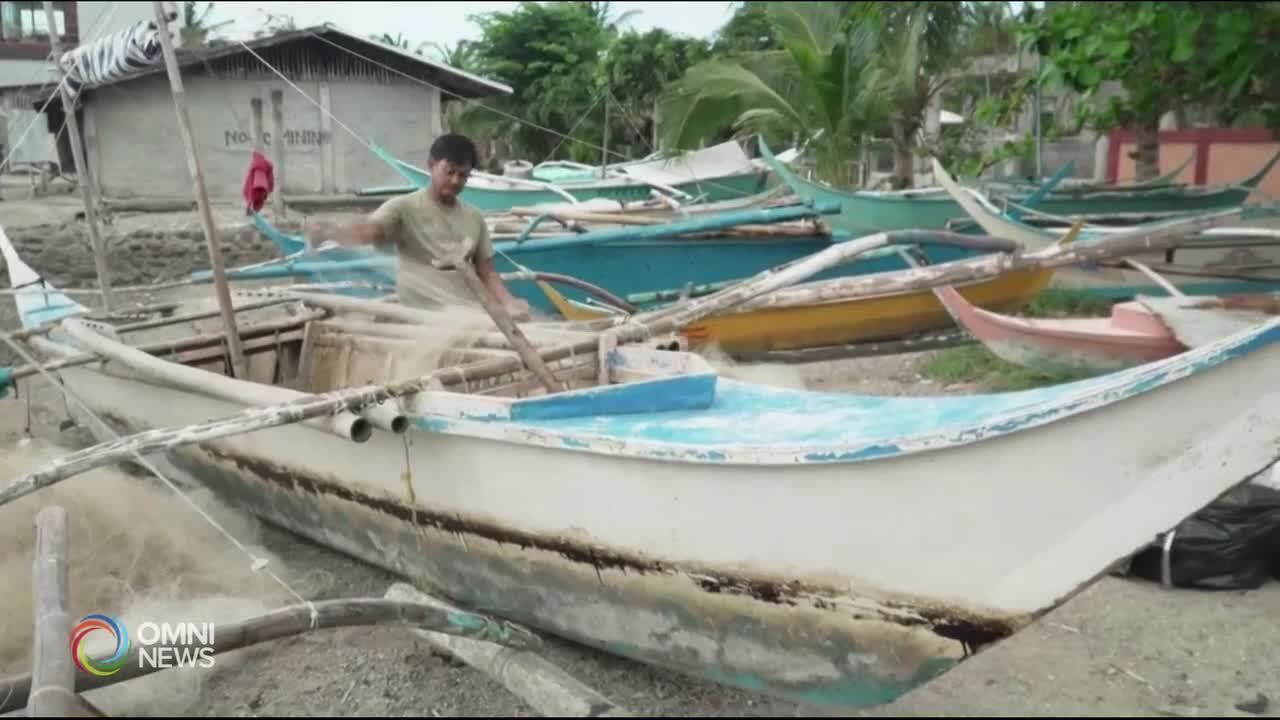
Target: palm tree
pixel 602 13
pixel 917 45
pixel 195 28
pixel 817 91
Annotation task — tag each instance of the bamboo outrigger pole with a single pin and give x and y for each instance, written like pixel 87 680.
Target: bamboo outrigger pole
pixel 88 192
pixel 202 197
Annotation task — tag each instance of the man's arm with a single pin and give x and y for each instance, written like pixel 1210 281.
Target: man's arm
pixel 483 260
pixel 380 230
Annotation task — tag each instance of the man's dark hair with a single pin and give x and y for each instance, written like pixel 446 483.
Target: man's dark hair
pixel 457 149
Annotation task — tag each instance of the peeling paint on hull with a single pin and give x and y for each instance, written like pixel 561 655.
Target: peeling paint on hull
pixel 833 580
pixel 785 642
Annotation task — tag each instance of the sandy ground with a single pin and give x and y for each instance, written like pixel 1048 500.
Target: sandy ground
pixel 1123 647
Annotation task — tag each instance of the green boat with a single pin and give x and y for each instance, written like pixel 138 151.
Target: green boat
pixel 714 174
pixel 931 208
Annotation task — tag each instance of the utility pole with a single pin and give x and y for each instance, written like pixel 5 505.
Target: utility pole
pixel 88 192
pixel 202 196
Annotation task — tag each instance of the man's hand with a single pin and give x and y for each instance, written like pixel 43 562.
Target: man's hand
pixel 320 234
pixel 517 308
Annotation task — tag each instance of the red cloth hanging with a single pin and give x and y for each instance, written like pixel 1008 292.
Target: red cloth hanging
pixel 259 181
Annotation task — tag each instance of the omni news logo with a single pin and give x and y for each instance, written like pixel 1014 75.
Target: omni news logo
pixel 160 645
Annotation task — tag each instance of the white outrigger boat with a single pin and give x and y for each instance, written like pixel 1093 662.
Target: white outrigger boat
pixel 828 548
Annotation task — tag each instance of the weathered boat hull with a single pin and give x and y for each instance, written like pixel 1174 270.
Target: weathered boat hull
pixel 499 194
pixel 824 547
pixel 1200 268
pixel 933 208
pixel 645 267
pixel 843 323
pixel 711 595
pixel 1084 346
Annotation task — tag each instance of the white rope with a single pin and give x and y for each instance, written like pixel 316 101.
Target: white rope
pixel 257 563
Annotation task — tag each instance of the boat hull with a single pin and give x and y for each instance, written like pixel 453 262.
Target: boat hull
pixel 1084 346
pixel 636 268
pixel 849 322
pixel 934 209
pixel 895 564
pixel 624 190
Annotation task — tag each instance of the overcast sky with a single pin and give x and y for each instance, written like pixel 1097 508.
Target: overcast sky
pixel 446 22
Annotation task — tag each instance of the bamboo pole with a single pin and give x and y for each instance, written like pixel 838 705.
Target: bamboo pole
pixel 202 198
pixel 53 675
pixel 344 424
pixel 168 346
pixel 508 326
pixel 88 192
pixel 989 266
pixel 296 620
pixel 546 688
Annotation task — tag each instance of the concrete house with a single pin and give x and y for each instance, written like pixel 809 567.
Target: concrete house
pixel 25 64
pixel 324 91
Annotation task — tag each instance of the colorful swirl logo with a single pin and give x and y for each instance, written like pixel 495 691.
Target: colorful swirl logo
pixel 105 666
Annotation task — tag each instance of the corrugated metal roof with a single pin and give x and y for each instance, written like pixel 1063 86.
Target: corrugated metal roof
pixel 452 80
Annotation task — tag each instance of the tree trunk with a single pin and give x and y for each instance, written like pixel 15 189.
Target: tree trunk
pixel 1148 137
pixel 903 158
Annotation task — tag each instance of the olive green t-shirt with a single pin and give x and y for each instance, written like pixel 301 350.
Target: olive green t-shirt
pixel 422 231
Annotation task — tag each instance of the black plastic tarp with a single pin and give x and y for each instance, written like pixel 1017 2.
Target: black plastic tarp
pixel 1232 544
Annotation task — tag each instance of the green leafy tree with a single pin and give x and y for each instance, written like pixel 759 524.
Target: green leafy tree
pixel 917 44
pixel 634 71
pixel 197 29
pixel 1133 62
pixel 549 53
pixel 818 90
pixel 748 30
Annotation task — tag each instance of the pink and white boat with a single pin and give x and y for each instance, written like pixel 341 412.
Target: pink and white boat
pixel 1139 331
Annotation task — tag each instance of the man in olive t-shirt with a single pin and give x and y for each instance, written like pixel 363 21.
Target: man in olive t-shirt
pixel 429 228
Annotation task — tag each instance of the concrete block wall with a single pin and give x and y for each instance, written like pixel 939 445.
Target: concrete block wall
pixel 136 149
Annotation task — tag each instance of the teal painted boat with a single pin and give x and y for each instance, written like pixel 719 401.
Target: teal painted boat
pixel 932 208
pixel 641 264
pixel 1221 261
pixel 711 175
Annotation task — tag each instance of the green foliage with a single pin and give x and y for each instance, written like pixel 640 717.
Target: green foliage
pixel 747 31
pixel 548 53
pixel 567 62
pixel 197 30
pixel 1162 55
pixel 818 90
pixel 976 364
pixel 634 71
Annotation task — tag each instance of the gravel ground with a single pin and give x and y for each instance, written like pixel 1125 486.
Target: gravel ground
pixel 1123 647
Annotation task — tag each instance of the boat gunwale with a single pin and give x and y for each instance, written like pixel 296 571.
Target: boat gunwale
pixel 1056 403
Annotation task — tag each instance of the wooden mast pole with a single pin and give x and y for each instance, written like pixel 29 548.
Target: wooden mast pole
pixel 202 196
pixel 88 193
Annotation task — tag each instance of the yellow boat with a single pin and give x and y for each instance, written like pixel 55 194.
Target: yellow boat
pixel 867 319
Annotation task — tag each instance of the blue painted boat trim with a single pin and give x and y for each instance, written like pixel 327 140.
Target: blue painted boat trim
pixel 686 392
pixel 755 424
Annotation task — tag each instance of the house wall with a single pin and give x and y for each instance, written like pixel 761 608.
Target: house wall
pixel 1223 156
pixel 93 21
pixel 137 150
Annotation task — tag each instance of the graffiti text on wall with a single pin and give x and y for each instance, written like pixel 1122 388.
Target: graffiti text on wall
pixel 292 138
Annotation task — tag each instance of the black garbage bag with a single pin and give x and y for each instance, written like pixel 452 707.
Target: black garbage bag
pixel 1232 544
